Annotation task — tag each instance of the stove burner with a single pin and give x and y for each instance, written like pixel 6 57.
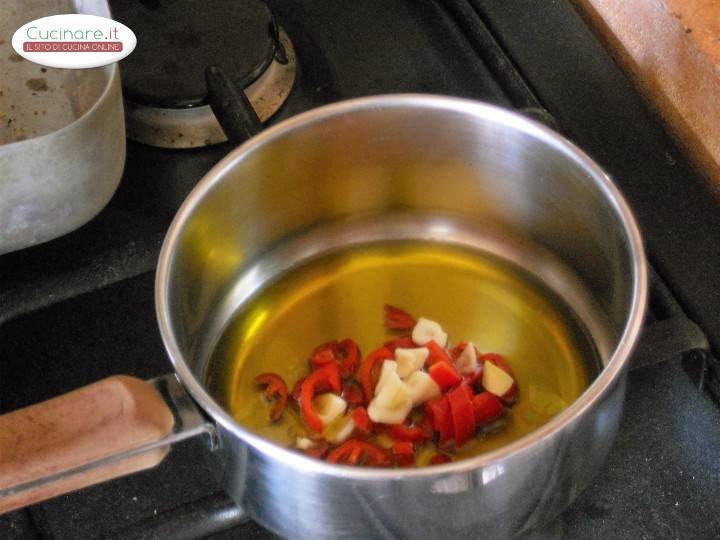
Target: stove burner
pixel 178 39
pixel 197 126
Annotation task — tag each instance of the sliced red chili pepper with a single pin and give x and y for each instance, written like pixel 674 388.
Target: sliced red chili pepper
pixel 463 414
pixel 445 375
pixel 362 420
pixel 398 319
pixel 457 350
pixel 274 383
pixel 322 379
pixel 438 410
pixel 276 389
pixel 351 452
pixel 439 459
pixel 318 451
pixel 355 455
pixel 437 354
pixel 487 407
pixel 345 353
pixel 349 354
pixel 404 453
pixel 308 413
pixel 352 393
pixel 403 447
pixel 321 358
pixel 403 342
pixel 403 432
pixel 367 369
pixel 330 381
pixel 512 395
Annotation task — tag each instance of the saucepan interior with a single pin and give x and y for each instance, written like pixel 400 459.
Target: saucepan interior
pixel 396 168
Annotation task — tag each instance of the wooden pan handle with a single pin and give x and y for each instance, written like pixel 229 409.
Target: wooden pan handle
pixel 94 422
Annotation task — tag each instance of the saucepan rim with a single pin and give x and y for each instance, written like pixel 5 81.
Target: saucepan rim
pixel 593 394
pixel 109 73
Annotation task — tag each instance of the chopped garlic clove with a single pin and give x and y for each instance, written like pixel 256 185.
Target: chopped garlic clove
pixel 410 360
pixel 392 404
pixel 467 361
pixel 388 369
pixel 426 331
pixel 495 380
pixel 329 407
pixel 422 388
pixel 303 443
pixel 392 392
pixel 389 416
pixel 340 431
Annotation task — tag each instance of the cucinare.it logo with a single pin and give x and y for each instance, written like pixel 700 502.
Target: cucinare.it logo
pixel 74 41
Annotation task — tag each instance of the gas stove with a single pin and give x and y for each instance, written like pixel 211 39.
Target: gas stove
pixel 80 308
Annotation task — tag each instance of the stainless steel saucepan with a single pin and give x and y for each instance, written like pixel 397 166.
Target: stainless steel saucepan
pixel 62 135
pixel 387 167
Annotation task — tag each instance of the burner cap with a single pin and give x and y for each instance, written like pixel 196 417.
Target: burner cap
pixel 178 39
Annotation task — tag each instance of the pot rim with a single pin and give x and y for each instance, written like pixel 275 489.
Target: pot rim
pixel 594 393
pixel 111 73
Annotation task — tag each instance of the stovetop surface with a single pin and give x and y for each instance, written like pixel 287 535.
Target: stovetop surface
pixel 80 308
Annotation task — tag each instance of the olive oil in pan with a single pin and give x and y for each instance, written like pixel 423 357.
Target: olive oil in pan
pixel 475 297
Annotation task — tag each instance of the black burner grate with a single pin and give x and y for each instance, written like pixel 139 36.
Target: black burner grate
pixel 178 39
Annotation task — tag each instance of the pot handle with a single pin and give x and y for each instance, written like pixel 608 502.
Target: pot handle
pixel 107 429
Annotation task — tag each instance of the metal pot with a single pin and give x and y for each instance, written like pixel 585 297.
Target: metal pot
pixel 406 166
pixel 62 147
